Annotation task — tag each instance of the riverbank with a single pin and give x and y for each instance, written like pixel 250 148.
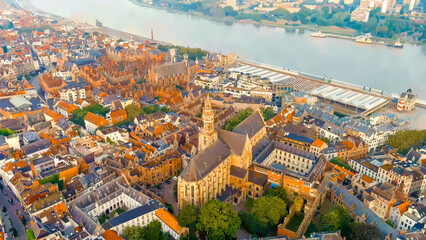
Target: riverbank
pixel 281 23
pixel 380 68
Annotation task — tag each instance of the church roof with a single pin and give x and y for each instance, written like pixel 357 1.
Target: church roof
pixel 166 70
pixel 251 125
pixel 234 141
pixel 205 161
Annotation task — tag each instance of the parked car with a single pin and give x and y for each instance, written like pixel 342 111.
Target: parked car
pixel 174 178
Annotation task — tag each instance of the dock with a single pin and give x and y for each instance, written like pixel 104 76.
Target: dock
pixel 351 38
pixel 318 80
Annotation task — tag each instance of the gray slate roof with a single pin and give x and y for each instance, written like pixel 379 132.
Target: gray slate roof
pixel 152 205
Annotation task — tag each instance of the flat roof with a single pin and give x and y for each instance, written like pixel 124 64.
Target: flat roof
pixel 347 96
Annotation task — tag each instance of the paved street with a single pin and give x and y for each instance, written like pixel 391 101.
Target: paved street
pixel 11 213
pixel 167 193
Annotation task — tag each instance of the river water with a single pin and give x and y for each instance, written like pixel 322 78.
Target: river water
pixel 380 67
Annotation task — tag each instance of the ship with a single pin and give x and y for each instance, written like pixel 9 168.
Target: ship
pixel 364 39
pixel 395 45
pixel 318 34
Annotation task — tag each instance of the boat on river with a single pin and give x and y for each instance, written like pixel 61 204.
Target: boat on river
pixel 318 34
pixel 364 39
pixel 395 45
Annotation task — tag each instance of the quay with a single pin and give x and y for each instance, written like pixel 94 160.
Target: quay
pixel 351 38
pixel 320 81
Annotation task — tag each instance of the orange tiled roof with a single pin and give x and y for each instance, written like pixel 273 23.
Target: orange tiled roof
pixel 367 178
pixel 117 113
pixel 61 209
pixel 66 106
pixel 318 143
pixel 169 219
pixel 49 112
pixel 348 144
pixel 112 235
pixel 15 165
pixel 95 119
pixel 403 207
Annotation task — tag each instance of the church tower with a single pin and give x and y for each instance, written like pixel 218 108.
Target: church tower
pixel 207 135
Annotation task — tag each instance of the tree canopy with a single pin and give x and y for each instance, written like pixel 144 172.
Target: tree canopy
pixel 133 111
pixel 269 209
pixel 233 122
pixel 193 53
pixel 403 141
pixel 340 162
pixel 218 220
pixel 267 113
pixel 188 217
pixel 253 224
pixel 278 192
pixel 6 132
pixel 151 232
pixel 78 115
pixel 336 219
pixel 362 231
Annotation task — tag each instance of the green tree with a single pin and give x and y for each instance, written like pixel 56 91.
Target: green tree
pixel 340 162
pixel 78 115
pixel 269 209
pixel 336 219
pixel 30 234
pixel 267 113
pixel 218 220
pixel 278 192
pixel 151 232
pixel 403 141
pixel 362 231
pixel 187 216
pixel 103 218
pixel 241 116
pixel 326 140
pixel 229 11
pixel 6 132
pixel 133 233
pixel 253 224
pixel 133 111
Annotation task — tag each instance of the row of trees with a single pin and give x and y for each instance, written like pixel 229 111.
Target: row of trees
pixel 403 141
pixel 193 53
pixel 216 220
pixel 381 25
pixel 341 162
pixel 132 110
pixel 151 232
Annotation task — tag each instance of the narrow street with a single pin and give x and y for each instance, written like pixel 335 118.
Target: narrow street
pixel 11 213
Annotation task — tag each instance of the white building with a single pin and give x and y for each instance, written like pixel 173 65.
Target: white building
pixel 114 134
pixel 365 167
pixel 170 224
pixel 73 91
pixel 140 216
pixel 416 214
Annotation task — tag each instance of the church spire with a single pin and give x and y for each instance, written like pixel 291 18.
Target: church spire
pixel 208 116
pixel 208 134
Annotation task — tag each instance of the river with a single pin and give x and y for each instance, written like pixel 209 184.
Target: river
pixel 380 67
